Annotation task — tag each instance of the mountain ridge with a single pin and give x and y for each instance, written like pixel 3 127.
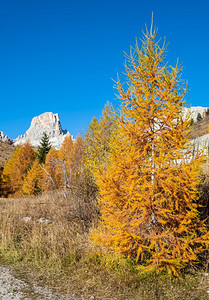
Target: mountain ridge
pixel 49 123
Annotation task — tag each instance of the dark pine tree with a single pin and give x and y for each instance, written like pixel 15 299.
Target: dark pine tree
pixel 199 117
pixel 44 148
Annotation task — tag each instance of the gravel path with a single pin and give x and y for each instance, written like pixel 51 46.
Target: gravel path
pixel 14 288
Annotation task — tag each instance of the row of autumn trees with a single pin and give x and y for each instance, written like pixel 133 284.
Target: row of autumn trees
pixel 141 162
pixel 67 171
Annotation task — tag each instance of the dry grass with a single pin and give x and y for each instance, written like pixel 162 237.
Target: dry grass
pixel 199 128
pixel 204 193
pixel 6 151
pixel 60 252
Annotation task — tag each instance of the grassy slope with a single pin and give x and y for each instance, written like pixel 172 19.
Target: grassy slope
pixel 6 151
pixel 200 128
pixel 61 253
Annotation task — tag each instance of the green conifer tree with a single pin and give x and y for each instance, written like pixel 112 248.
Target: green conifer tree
pixel 44 148
pixel 199 117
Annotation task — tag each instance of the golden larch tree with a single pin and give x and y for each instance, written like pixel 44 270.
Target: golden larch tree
pixel 51 178
pixel 7 172
pixel 58 167
pixel 149 197
pixel 70 159
pixel 65 163
pixel 16 169
pixel 33 182
pixel 78 168
pixel 98 137
pixel 66 150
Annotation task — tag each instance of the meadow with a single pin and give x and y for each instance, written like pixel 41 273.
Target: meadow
pixel 50 236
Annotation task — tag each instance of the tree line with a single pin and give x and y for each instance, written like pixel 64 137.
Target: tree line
pixel 31 170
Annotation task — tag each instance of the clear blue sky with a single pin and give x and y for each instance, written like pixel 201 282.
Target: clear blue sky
pixel 61 55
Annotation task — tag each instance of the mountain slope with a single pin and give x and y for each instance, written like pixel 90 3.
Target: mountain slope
pixel 6 151
pixel 200 128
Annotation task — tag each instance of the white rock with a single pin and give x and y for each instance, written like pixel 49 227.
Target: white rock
pixel 4 137
pixel 27 219
pixel 44 221
pixel 194 110
pixel 48 123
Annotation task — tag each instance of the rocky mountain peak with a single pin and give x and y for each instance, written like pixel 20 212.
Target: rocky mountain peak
pixel 48 123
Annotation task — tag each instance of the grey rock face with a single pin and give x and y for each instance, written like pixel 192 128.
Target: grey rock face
pixel 48 123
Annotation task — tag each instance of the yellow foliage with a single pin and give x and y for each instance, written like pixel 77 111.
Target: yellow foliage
pixel 148 187
pixel 34 180
pixel 97 139
pixel 15 170
pixel 66 150
pixel 63 168
pixel 70 162
pixel 51 173
pixel 64 162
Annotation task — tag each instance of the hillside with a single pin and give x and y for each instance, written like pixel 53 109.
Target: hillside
pixel 200 128
pixel 6 150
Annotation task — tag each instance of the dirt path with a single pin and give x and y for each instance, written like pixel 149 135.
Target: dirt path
pixel 13 288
